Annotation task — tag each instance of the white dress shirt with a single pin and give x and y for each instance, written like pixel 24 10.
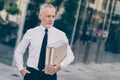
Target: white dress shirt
pixel 33 39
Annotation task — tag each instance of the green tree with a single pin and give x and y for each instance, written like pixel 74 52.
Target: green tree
pixel 57 3
pixel 39 1
pixel 1 5
pixel 1 8
pixel 13 10
pixel 67 20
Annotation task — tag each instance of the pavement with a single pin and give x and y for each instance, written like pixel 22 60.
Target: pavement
pixel 79 71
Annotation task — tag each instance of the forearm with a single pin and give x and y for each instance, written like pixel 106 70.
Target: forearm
pixel 68 59
pixel 20 50
pixel 19 60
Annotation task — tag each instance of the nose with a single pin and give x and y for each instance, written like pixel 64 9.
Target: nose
pixel 52 18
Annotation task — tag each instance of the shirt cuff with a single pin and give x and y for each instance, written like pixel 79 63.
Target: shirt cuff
pixel 20 67
pixel 62 65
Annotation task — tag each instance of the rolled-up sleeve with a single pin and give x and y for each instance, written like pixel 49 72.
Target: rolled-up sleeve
pixel 20 50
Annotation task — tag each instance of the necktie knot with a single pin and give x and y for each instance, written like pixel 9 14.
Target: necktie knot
pixel 46 30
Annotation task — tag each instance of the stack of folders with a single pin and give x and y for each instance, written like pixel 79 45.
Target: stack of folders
pixel 55 55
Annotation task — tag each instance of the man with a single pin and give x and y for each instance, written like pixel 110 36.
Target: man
pixel 35 39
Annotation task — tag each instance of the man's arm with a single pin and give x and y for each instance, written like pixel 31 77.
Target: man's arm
pixel 69 57
pixel 19 52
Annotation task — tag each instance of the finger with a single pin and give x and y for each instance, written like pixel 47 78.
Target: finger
pixel 28 71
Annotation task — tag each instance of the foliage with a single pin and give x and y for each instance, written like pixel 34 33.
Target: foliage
pixel 66 23
pixel 57 2
pixel 1 5
pixel 39 1
pixel 12 10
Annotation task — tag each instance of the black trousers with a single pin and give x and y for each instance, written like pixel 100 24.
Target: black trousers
pixel 38 75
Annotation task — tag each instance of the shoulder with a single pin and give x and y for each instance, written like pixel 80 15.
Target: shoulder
pixel 32 30
pixel 61 35
pixel 58 31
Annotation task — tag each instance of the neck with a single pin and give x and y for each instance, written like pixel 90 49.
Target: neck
pixel 46 26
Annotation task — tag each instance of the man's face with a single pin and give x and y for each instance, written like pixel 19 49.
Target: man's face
pixel 47 17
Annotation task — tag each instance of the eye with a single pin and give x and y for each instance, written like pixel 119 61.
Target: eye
pixel 50 16
pixel 53 16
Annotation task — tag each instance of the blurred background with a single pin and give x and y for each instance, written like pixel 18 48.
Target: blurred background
pixel 92 27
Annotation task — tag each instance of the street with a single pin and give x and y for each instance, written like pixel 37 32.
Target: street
pixel 106 71
pixel 75 71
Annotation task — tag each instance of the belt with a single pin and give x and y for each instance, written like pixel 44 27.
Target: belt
pixel 34 70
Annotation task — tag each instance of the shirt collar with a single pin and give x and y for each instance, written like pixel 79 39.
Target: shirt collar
pixel 43 28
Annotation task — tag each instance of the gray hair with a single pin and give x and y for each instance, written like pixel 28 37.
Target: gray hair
pixel 45 6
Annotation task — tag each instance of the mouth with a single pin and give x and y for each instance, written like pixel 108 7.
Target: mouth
pixel 50 23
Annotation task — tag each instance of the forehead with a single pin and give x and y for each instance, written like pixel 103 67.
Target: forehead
pixel 49 10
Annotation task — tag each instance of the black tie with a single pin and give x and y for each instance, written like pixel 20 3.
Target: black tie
pixel 41 63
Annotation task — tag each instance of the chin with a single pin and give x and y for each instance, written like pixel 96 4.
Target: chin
pixel 49 26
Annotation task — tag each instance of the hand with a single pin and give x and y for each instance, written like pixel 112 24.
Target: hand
pixel 52 69
pixel 57 67
pixel 23 72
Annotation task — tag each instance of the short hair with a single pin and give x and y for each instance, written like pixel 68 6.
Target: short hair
pixel 45 6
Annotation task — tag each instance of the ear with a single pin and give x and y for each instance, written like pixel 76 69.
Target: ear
pixel 40 16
